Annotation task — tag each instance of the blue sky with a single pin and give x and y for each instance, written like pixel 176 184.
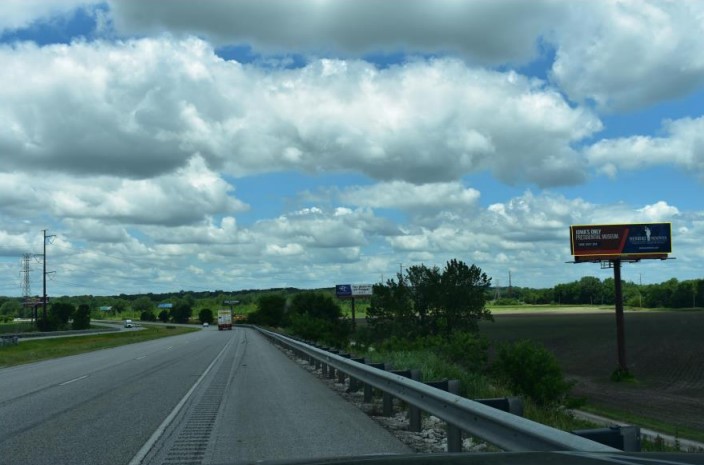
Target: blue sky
pixel 259 144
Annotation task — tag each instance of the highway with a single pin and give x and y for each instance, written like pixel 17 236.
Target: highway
pixel 203 397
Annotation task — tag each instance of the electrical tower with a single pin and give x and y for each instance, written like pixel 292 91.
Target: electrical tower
pixel 26 288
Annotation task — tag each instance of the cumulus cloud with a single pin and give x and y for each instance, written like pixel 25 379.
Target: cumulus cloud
pixel 629 54
pixel 311 26
pixel 600 51
pixel 187 196
pixel 682 146
pixel 144 108
pixel 407 196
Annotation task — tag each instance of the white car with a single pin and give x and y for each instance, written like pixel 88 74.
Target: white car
pixel 128 324
pixel 205 325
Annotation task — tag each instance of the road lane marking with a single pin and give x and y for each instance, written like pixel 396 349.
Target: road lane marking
pixel 137 459
pixel 140 358
pixel 73 380
pixel 169 348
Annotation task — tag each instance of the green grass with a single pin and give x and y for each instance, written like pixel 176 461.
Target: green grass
pixel 21 327
pixel 644 422
pixel 473 385
pixel 44 349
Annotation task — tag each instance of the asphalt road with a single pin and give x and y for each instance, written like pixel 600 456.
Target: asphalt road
pixel 204 397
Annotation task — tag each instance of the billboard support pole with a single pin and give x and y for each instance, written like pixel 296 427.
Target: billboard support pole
pixel 353 316
pixel 620 332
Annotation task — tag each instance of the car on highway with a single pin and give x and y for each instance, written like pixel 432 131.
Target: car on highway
pixel 129 324
pixel 205 325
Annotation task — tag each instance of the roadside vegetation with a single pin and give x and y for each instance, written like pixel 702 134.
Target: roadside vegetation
pixel 441 322
pixel 44 349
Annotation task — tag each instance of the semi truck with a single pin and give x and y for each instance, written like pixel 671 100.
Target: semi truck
pixel 224 319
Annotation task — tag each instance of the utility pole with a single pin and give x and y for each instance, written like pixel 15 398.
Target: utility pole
pixel 44 299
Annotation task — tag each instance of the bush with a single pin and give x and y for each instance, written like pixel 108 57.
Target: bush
pixel 205 315
pixel 469 350
pixel 270 311
pixel 530 369
pixel 81 317
pixel 332 333
pixel 147 316
pixel 164 316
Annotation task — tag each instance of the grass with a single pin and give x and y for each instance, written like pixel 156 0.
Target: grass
pixel 433 367
pixel 44 349
pixel 644 422
pixel 19 327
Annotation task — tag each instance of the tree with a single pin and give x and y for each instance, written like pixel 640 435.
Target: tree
pixel 316 316
pixel 143 304
pixel 58 316
pixel 119 305
pixel 270 310
pixel 462 296
pixel 164 316
pixel 147 316
pixel 590 289
pixel 11 308
pixel 81 317
pixel 181 312
pixel 205 316
pixel 391 311
pixel 315 305
pixel 427 302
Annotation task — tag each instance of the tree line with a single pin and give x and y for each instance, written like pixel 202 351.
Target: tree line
pixel 590 290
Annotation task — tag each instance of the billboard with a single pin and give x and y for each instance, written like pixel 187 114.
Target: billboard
pixel 343 291
pixel 643 240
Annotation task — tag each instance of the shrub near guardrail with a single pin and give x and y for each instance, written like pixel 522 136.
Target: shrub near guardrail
pixel 530 369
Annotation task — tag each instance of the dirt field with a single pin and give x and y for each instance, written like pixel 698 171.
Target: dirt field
pixel 664 350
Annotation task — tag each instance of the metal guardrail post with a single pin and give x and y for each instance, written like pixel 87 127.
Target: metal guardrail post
pixel 414 413
pixel 512 405
pixel 354 384
pixel 454 434
pixel 368 389
pixel 340 373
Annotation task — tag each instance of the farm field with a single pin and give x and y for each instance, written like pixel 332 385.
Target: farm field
pixel 664 350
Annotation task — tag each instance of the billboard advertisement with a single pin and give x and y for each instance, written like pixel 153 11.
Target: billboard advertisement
pixel 353 290
pixel 632 240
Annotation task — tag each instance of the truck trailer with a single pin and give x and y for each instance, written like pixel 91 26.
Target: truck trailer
pixel 224 319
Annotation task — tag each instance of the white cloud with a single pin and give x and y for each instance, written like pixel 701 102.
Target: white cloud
pixel 407 196
pixel 658 212
pixel 630 53
pixel 144 108
pixel 682 146
pixel 187 196
pixel 620 54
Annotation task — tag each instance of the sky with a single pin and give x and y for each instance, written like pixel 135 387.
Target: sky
pixel 253 144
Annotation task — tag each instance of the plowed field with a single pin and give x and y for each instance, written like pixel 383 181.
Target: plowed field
pixel 664 350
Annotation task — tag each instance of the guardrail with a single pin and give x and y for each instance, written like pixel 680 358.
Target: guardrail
pixel 504 430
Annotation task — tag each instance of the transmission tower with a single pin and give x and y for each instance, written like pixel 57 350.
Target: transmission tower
pixel 26 288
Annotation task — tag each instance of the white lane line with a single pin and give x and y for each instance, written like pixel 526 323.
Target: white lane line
pixel 73 380
pixel 169 348
pixel 137 459
pixel 140 358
